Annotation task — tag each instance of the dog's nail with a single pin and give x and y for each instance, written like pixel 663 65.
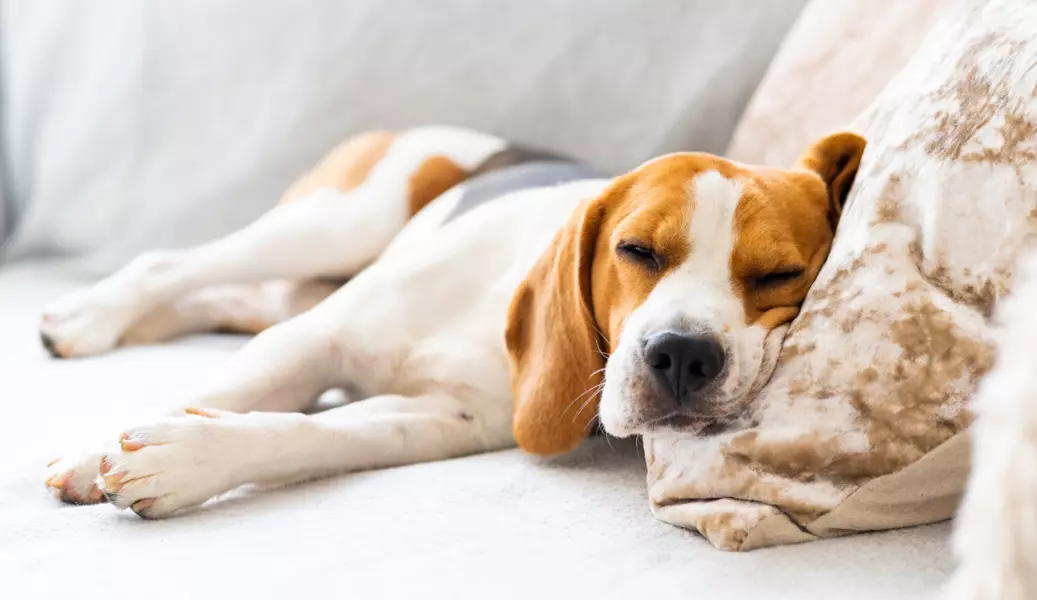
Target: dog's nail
pixel 59 481
pixel 50 346
pixel 140 505
pixel 129 445
pixel 53 462
pixel 201 412
pixel 113 481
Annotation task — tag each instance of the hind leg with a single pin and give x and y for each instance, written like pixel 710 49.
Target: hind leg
pixel 247 309
pixel 325 234
pixel 333 222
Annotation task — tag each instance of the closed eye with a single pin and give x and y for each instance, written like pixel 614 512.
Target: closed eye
pixel 776 278
pixel 641 254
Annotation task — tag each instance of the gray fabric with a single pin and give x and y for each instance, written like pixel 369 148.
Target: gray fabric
pixel 517 155
pixel 132 125
pixel 489 186
pixel 501 525
pixel 6 219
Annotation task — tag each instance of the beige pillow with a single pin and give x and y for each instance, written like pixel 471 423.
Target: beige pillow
pixel 837 58
pixel 862 425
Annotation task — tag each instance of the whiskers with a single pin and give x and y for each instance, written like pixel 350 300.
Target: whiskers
pixel 592 394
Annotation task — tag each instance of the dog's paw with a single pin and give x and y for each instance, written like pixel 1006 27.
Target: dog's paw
pixel 173 464
pixel 75 481
pixel 94 320
pixel 87 322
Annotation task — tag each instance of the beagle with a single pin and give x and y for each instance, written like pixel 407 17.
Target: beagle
pixel 493 296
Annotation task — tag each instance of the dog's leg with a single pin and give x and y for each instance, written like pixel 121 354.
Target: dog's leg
pixel 324 228
pixel 183 461
pixel 325 234
pixel 247 309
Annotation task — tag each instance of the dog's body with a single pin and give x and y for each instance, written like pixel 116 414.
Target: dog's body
pixel 698 263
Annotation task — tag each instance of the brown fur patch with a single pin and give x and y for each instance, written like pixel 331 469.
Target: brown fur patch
pixel 786 223
pixel 435 176
pixel 345 167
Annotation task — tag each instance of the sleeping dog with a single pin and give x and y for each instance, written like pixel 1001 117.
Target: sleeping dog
pixel 495 295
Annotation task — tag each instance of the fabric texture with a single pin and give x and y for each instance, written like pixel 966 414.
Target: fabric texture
pixel 863 424
pixel 136 125
pixel 834 62
pixel 501 525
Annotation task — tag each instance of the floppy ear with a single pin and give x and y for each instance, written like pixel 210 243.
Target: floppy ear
pixel 555 349
pixel 835 158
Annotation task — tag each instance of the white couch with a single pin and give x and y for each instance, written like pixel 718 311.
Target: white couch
pixel 129 125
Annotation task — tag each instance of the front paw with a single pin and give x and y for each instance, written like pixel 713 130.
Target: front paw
pixel 173 464
pixel 74 481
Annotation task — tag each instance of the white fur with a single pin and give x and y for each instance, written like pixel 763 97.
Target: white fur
pixel 996 535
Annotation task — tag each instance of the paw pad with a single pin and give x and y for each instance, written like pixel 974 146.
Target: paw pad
pixel 142 505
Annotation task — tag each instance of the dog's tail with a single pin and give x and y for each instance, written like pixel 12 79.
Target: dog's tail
pixel 995 539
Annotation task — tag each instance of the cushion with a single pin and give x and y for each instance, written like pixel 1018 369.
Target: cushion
pixel 836 60
pixel 862 426
pixel 170 123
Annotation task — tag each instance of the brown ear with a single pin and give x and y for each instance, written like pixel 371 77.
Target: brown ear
pixel 555 349
pixel 835 158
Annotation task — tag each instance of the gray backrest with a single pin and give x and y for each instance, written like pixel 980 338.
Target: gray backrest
pixel 129 125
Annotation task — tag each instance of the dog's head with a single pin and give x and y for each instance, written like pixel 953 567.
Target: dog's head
pixel 668 295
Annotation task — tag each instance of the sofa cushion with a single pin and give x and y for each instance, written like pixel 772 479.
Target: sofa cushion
pixel 130 126
pixel 863 424
pixel 834 62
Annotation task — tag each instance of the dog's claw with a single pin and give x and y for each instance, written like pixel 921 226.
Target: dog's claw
pixel 201 412
pixel 129 445
pixel 113 481
pixel 58 482
pixel 50 345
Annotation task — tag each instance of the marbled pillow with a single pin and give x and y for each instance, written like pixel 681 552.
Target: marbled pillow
pixel 834 62
pixel 862 425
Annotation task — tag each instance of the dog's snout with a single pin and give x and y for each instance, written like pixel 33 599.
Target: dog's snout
pixel 684 363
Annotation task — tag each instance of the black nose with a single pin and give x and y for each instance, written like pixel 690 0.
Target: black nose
pixel 684 363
